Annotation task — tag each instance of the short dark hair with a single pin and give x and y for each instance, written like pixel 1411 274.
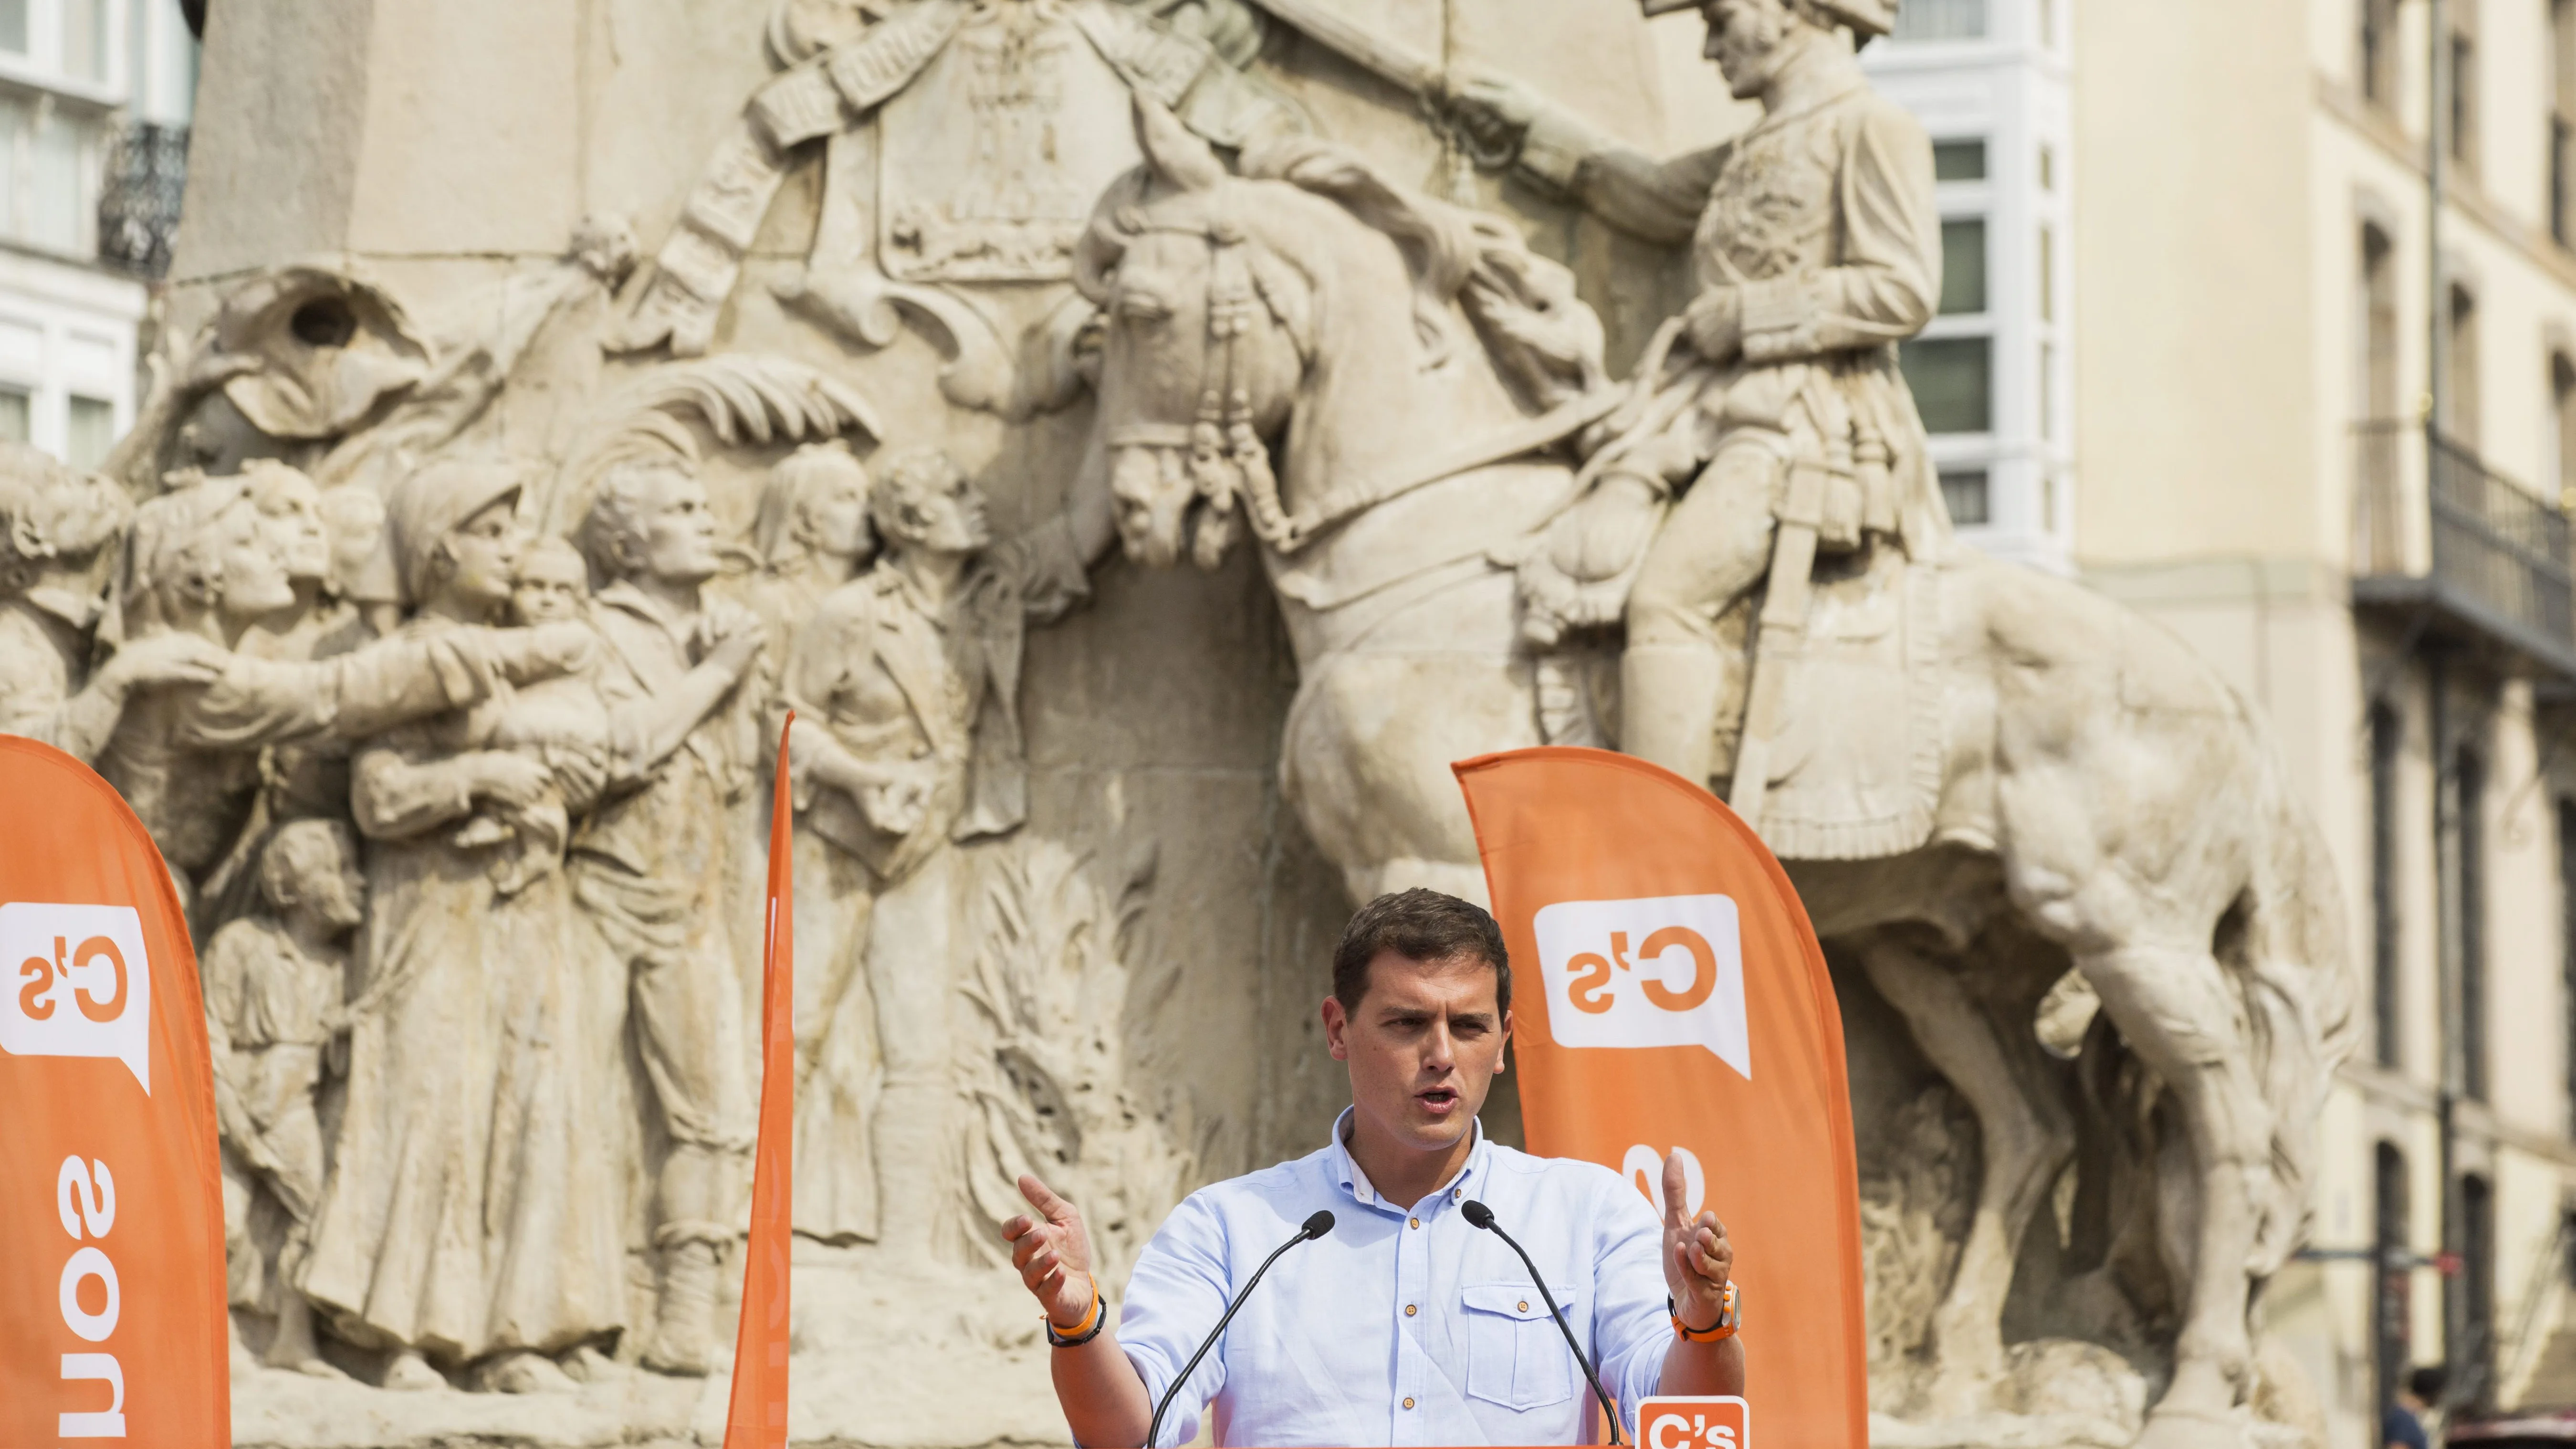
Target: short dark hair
pixel 2426 1382
pixel 1418 925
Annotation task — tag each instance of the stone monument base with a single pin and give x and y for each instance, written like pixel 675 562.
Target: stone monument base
pixel 887 1355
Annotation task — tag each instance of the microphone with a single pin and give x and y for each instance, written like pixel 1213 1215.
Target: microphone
pixel 1315 1226
pixel 1479 1215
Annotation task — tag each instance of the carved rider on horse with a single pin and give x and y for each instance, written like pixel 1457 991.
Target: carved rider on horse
pixel 1775 398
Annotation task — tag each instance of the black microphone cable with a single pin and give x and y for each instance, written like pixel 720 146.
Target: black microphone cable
pixel 1482 1216
pixel 1315 1226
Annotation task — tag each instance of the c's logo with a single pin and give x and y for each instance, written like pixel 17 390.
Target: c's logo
pixel 1660 971
pixel 84 984
pixel 1694 1423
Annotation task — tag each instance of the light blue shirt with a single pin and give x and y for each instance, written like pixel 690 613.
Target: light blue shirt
pixel 1405 1324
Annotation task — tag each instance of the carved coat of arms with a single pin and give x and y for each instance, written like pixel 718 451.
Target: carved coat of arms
pixel 966 141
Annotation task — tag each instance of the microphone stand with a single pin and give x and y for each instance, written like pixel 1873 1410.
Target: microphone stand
pixel 1315 1226
pixel 1479 1215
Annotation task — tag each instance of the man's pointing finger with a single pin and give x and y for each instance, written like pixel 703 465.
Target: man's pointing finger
pixel 1676 1192
pixel 1043 1198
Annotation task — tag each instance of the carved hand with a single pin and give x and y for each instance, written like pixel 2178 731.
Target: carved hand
pixel 580 768
pixel 1602 535
pixel 167 659
pixel 1716 321
pixel 1053 1253
pixel 898 800
pixel 1495 112
pixel 734 638
pixel 1698 1259
pixel 509 779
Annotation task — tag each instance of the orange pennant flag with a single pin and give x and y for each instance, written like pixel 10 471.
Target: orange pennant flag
pixel 1682 1005
pixel 757 1416
pixel 112 1315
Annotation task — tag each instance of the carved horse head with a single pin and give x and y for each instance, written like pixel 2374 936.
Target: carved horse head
pixel 1207 335
pixel 1311 304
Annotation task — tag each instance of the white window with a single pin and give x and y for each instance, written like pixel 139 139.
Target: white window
pixel 13 414
pixel 1940 20
pixel 1951 368
pixel 85 39
pixel 91 431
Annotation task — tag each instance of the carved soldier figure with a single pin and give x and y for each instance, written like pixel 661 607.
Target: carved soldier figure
pixel 907 739
pixel 55 522
pixel 654 864
pixel 274 990
pixel 1815 248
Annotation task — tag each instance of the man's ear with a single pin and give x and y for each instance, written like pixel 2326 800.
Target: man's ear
pixel 1503 1058
pixel 1337 1026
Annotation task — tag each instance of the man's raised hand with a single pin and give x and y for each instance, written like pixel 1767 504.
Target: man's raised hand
pixel 1698 1259
pixel 1053 1253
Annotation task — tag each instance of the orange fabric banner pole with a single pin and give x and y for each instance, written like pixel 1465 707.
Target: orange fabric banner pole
pixel 112 1316
pixel 757 1415
pixel 1682 1004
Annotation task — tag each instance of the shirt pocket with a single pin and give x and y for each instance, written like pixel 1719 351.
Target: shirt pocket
pixel 1515 1355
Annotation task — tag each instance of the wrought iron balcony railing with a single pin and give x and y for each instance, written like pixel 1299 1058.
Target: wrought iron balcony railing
pixel 2437 531
pixel 138 202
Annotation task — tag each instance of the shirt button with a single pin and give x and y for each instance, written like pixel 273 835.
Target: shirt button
pixel 1408 1312
pixel 1416 1222
pixel 1408 1403
pixel 1524 1305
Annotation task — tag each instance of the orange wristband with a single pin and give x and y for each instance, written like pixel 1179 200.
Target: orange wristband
pixel 1084 1331
pixel 1728 1321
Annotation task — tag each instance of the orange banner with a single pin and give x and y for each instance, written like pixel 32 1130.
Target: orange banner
pixel 112 1314
pixel 757 1416
pixel 1679 1002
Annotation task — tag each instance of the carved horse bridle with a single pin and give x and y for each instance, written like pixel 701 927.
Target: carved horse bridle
pixel 1228 460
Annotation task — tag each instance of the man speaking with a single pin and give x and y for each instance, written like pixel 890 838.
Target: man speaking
pixel 1410 1319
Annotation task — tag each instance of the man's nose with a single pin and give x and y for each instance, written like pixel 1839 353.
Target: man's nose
pixel 1440 1049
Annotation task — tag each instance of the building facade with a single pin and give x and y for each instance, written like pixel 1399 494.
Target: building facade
pixel 2327 406
pixel 1993 372
pixel 94 102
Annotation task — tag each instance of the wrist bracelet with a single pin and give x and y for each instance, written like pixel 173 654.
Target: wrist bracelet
pixel 1728 1321
pixel 1085 1331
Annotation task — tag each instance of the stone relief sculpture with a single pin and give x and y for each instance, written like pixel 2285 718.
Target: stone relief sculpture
pixel 505 576
pixel 655 864
pixel 472 1058
pixel 62 524
pixel 905 680
pixel 274 987
pixel 2211 940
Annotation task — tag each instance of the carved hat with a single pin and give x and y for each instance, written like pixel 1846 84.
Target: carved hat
pixel 434 500
pixel 1866 18
pixel 166 530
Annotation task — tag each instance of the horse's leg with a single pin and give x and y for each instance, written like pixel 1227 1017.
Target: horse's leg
pixel 2024 1142
pixel 2173 1005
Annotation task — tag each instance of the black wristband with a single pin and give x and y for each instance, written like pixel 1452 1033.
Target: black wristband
pixel 1099 1321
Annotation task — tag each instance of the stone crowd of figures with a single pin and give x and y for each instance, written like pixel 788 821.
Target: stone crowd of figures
pixel 458 813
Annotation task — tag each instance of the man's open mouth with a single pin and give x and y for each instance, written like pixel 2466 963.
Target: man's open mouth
pixel 1438 1099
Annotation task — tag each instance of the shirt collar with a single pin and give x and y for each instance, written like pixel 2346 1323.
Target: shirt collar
pixel 624 595
pixel 1346 1170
